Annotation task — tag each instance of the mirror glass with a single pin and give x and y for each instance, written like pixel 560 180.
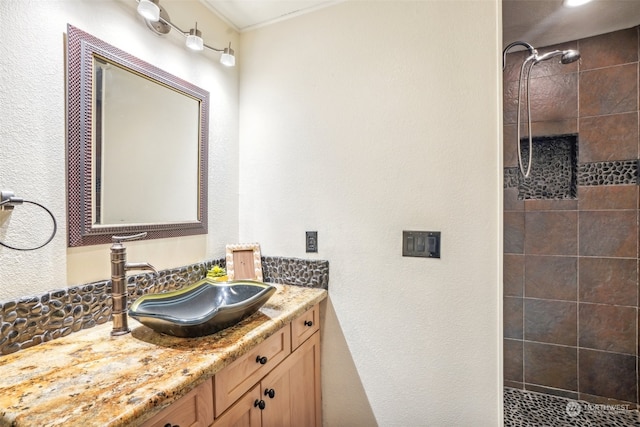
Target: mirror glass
pixel 137 155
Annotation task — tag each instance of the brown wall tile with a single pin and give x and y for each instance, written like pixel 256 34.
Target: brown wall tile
pixel 551 277
pixel 608 374
pixel 551 127
pixel 512 317
pixel 553 322
pixel 608 280
pixel 512 65
pixel 513 362
pixel 612 137
pixel 608 327
pixel 551 365
pixel 552 391
pixel 608 233
pixel 510 103
pixel 609 90
pixel 605 50
pixel 513 275
pixel 513 223
pixel 510 146
pixel 551 233
pixel 554 98
pixel 510 200
pixel 550 205
pixel 608 197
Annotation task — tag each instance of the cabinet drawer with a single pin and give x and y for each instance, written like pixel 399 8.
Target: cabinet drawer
pixel 236 379
pixel 304 326
pixel 193 410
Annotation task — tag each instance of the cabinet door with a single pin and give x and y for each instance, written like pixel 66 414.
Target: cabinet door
pixel 305 387
pixel 236 379
pixel 195 409
pixel 243 413
pixel 296 389
pixel 276 395
pixel 304 326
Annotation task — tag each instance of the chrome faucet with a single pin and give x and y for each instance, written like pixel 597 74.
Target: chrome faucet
pixel 119 268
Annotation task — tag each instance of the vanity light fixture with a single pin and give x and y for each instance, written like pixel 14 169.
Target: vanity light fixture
pixel 157 19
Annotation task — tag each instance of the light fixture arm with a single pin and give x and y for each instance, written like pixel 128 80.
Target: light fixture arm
pixel 226 52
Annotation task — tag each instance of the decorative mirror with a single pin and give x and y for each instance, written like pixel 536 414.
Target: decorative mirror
pixel 137 146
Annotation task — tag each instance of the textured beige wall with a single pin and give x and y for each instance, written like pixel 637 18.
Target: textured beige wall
pixel 359 121
pixel 33 138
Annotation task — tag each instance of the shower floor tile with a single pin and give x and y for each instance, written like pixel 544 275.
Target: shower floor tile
pixel 529 409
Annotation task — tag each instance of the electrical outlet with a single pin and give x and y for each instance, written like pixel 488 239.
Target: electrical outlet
pixel 312 241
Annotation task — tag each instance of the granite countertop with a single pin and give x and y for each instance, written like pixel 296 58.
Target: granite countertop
pixel 90 378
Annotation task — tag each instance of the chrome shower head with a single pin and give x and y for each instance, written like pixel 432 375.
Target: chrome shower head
pixel 569 56
pixel 566 56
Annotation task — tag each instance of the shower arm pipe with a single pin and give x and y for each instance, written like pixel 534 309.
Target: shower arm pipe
pixel 532 50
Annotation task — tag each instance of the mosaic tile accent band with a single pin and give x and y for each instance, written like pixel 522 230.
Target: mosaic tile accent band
pixel 32 320
pixel 619 172
pixel 558 172
pixel 525 408
pixel 608 173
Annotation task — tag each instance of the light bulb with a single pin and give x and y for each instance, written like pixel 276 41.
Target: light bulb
pixel 149 10
pixel 194 42
pixel 228 58
pixel 194 39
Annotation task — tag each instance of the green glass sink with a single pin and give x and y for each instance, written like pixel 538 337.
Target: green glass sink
pixel 203 308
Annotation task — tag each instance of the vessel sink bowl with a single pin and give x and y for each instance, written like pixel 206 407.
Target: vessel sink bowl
pixel 203 308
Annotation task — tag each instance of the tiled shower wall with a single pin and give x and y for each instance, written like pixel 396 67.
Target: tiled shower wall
pixel 571 265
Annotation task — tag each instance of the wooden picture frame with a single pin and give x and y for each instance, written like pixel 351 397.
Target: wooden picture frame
pixel 244 261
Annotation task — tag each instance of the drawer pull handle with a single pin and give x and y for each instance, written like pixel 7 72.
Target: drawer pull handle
pixel 171 425
pixel 261 360
pixel 270 392
pixel 308 323
pixel 259 404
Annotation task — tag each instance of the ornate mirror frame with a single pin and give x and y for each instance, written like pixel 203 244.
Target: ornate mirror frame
pixel 81 48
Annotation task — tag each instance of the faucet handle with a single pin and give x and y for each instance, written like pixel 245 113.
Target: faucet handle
pixel 120 239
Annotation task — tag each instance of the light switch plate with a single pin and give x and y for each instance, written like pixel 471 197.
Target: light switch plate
pixel 424 244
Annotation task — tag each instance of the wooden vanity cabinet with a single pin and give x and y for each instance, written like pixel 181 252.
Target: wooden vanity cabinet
pixel 236 379
pixel 290 395
pixel 276 384
pixel 195 409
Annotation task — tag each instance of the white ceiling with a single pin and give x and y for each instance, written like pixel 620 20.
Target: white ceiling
pixel 538 22
pixel 248 14
pixel 547 22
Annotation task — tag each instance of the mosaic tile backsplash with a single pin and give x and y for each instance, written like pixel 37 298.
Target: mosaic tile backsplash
pixel 32 320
